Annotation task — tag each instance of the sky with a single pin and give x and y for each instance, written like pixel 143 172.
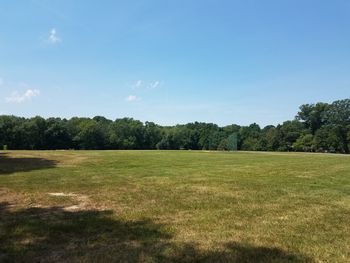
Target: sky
pixel 170 62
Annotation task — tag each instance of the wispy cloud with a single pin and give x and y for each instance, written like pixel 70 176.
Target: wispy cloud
pixel 53 37
pixel 28 95
pixel 140 84
pixel 137 85
pixel 142 87
pixel 132 98
pixel 154 84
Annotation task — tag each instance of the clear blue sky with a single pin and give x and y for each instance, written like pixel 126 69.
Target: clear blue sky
pixel 173 61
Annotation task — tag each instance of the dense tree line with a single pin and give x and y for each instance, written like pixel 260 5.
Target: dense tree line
pixel 319 127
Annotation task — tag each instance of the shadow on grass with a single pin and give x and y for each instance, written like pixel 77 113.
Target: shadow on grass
pixel 55 235
pixel 10 165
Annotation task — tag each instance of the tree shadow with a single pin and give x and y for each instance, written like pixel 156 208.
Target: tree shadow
pixel 55 235
pixel 9 165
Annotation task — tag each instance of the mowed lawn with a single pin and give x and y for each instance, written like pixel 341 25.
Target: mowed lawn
pixel 174 206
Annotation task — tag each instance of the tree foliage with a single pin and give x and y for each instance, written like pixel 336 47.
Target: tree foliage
pixel 319 127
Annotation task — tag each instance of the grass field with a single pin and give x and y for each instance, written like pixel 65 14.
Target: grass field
pixel 174 206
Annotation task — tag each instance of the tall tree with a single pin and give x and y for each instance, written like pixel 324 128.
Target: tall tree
pixel 313 115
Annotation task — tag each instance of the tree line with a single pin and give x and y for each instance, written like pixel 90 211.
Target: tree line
pixel 320 127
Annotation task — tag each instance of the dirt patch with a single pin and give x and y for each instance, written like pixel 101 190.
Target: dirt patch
pixel 62 194
pixel 66 201
pixel 81 200
pixel 72 208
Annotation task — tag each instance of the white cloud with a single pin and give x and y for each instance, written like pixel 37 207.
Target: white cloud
pixel 154 84
pixel 132 98
pixel 16 97
pixel 137 84
pixel 142 87
pixel 53 37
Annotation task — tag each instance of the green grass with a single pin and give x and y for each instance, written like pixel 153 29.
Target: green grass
pixel 174 206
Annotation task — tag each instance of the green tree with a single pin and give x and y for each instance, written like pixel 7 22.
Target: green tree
pixel 305 143
pixel 90 135
pixel 34 129
pixel 57 135
pixel 338 115
pixel 152 135
pixel 290 131
pixel 126 133
pixel 313 115
pixel 249 137
pixel 327 139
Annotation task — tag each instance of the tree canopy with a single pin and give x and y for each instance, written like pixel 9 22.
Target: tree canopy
pixel 320 127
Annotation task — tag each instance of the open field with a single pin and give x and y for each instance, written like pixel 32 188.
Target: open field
pixel 174 206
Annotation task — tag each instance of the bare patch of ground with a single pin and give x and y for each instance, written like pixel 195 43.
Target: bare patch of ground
pixel 18 200
pixel 81 200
